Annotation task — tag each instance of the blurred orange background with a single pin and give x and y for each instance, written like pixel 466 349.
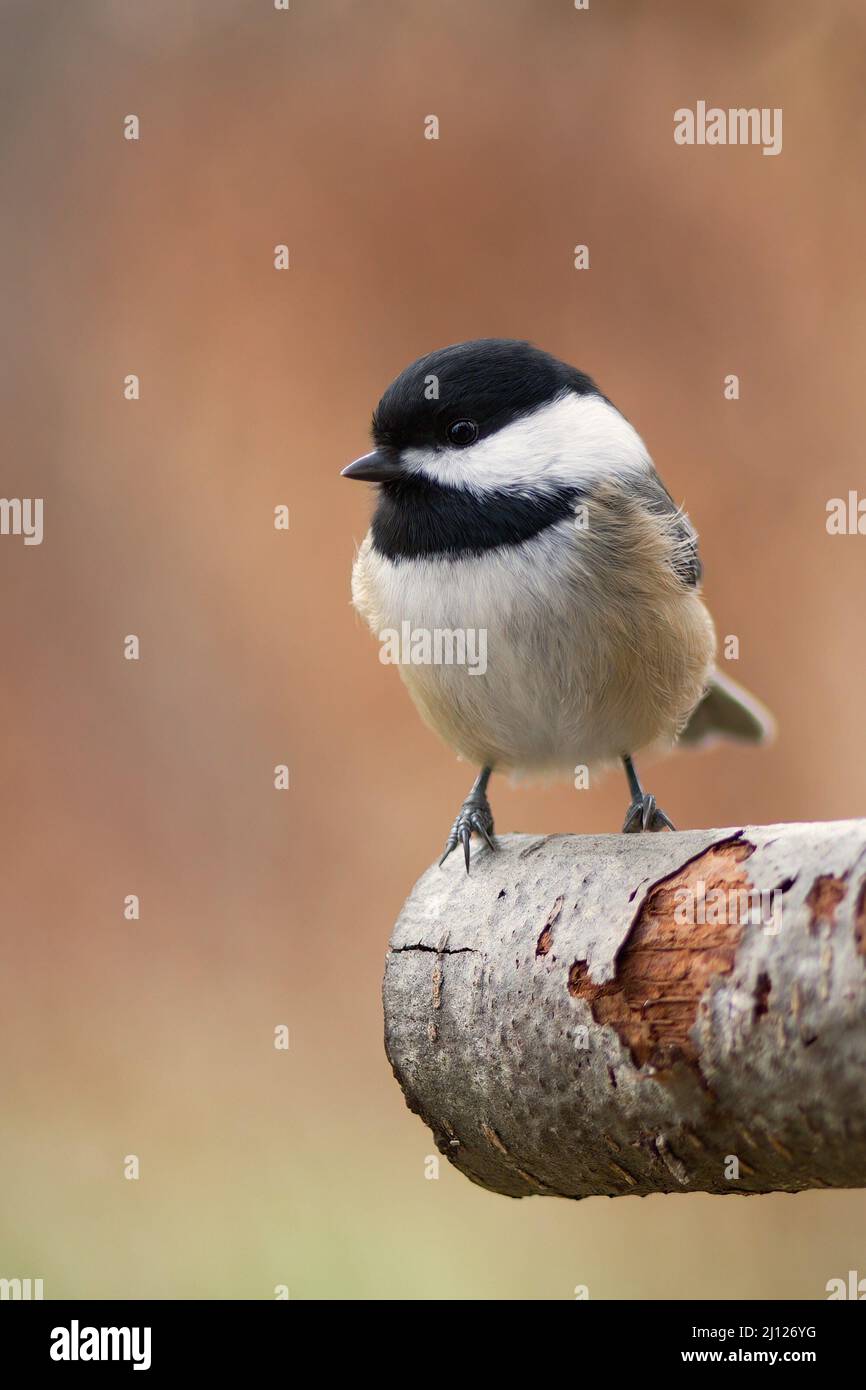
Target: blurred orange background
pixel 155 1037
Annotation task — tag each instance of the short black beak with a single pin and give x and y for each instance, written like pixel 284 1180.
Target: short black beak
pixel 378 467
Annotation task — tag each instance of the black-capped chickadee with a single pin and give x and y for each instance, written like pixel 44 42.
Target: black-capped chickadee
pixel 516 503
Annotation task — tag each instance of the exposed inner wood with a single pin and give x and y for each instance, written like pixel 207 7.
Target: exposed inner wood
pixel 824 897
pixel 665 965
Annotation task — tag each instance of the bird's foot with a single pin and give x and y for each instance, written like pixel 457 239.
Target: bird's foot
pixel 644 814
pixel 475 815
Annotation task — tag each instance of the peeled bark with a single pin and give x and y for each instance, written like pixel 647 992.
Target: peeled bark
pixel 573 1019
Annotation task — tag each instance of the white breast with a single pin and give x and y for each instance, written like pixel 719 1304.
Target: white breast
pixel 582 665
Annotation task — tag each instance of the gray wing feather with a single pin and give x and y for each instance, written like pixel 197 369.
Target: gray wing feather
pixel 657 499
pixel 726 710
pixel 730 712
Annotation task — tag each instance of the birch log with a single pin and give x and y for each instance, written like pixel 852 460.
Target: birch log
pixel 628 1014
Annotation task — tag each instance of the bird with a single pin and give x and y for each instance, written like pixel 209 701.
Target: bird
pixel 515 501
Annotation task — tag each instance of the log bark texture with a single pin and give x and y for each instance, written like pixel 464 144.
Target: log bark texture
pixel 563 1031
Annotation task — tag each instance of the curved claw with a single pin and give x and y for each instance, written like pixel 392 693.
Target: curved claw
pixel 482 828
pixel 633 819
pixel 466 836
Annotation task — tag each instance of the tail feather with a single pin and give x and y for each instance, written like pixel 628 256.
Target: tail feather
pixel 727 711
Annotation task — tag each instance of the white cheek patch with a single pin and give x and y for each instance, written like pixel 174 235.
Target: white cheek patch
pixel 572 440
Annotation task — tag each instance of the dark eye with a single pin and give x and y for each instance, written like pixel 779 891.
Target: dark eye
pixel 463 432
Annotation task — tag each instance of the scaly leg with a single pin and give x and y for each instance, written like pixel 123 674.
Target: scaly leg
pixel 643 813
pixel 475 814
